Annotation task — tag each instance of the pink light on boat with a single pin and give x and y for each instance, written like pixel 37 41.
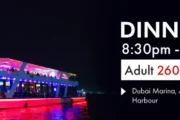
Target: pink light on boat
pixel 42 70
pixel 10 63
pixel 64 76
pixel 5 66
pixel 7 63
pixel 52 74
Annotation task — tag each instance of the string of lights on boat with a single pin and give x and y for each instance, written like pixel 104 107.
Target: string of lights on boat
pixel 36 81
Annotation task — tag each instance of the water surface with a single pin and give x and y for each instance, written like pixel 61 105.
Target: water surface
pixel 77 111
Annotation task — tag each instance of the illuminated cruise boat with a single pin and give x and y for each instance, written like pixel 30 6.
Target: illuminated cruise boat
pixel 20 79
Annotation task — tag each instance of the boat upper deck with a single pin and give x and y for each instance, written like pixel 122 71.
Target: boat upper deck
pixel 11 69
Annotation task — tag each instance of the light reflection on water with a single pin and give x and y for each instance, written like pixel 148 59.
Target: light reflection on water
pixel 77 111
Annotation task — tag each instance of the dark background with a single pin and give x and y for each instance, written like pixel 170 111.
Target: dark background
pixel 71 36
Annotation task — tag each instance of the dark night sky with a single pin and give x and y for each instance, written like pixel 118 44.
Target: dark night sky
pixel 65 35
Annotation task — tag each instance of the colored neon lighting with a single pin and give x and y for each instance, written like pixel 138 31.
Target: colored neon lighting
pixel 8 63
pixel 54 89
pixel 72 74
pixel 42 70
pixel 16 65
pixel 32 68
pixel 12 103
pixel 52 74
pixel 64 76
pixel 80 99
pixel 1 83
pixel 7 83
pixel 82 103
pixel 5 66
pixel 3 77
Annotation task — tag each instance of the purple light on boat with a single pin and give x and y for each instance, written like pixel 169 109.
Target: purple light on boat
pixel 30 80
pixel 34 81
pixel 15 79
pixel 38 81
pixel 54 89
pixel 8 78
pixel 3 78
pixel 25 80
pixel 20 80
